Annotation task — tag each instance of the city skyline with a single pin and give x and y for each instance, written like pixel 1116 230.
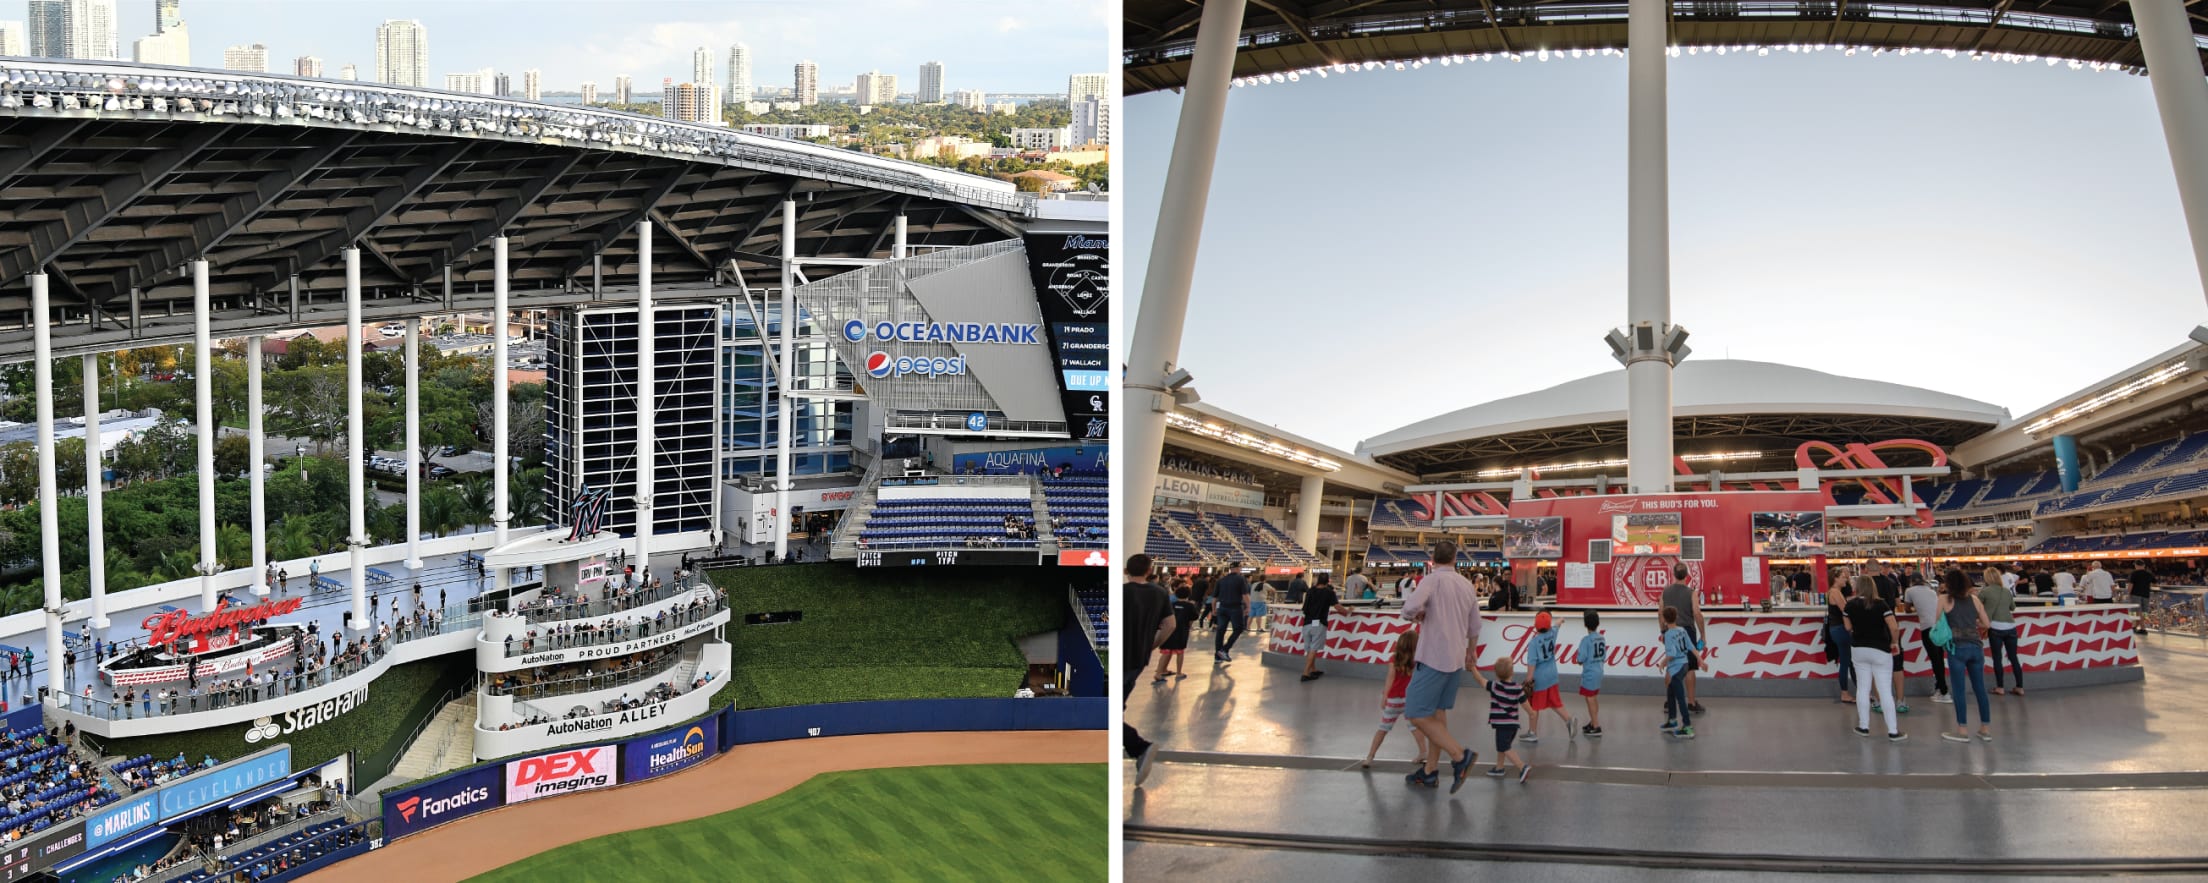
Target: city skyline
pixel 1028 51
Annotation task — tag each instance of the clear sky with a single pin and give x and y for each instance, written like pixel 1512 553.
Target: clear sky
pixel 1385 247
pixel 993 46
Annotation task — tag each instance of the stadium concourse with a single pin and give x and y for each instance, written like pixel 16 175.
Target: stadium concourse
pixel 2112 478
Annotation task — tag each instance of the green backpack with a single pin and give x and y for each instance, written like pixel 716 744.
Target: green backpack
pixel 1941 636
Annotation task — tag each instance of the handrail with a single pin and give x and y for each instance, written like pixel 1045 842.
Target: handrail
pixel 1081 612
pixel 584 683
pixel 868 484
pixel 442 701
pixel 604 606
pixel 615 634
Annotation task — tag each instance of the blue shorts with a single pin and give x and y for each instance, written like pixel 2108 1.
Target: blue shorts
pixel 1430 692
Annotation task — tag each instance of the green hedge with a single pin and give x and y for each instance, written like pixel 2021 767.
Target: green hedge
pixel 397 702
pixel 884 633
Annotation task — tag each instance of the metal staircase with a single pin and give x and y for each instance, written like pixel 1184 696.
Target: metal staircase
pixel 1046 537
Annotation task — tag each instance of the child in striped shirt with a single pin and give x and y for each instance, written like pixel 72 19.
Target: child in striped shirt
pixel 1504 696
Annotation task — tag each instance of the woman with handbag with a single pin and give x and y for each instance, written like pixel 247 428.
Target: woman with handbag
pixel 1965 617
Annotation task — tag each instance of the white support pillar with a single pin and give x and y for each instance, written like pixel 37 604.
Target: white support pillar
pixel 49 480
pixel 257 456
pixel 1308 504
pixel 95 516
pixel 203 382
pixel 647 394
pixel 1157 340
pixel 1648 249
pixel 899 248
pixel 356 440
pixel 2181 95
pixel 785 384
pixel 501 507
pixel 414 459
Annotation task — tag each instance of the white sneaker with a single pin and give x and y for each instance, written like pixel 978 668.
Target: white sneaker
pixel 1943 698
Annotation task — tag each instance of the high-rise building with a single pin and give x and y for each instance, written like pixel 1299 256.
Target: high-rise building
pixel 476 82
pixel 173 46
pixel 12 37
pixel 306 66
pixel 972 99
pixel 590 93
pixel 693 103
pixel 701 66
pixel 1082 87
pixel 502 86
pixel 402 52
pixel 49 29
pixel 875 87
pixel 246 58
pixel 739 74
pixel 1092 122
pixel 72 29
pixel 931 83
pixel 532 85
pixel 808 83
pixel 348 72
pixel 621 89
pixel 167 15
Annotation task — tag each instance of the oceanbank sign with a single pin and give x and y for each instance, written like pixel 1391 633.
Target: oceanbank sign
pixel 879 364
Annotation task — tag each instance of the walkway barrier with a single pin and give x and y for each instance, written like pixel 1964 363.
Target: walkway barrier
pixel 915 716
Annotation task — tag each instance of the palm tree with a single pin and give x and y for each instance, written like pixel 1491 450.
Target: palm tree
pixel 475 500
pixel 526 493
pixel 440 509
pixel 294 539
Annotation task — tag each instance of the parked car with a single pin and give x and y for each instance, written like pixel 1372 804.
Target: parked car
pixel 440 471
pixel 392 329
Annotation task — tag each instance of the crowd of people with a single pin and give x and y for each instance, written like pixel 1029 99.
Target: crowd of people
pixel 624 590
pixel 561 635
pixel 46 784
pixel 144 772
pixel 311 663
pixel 577 677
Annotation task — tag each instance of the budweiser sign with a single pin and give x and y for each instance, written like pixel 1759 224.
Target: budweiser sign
pixel 163 628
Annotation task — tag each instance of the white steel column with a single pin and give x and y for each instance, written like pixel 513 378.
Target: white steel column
pixel 203 382
pixel 1307 512
pixel 2173 67
pixel 95 518
pixel 785 384
pixel 414 459
pixel 647 393
pixel 899 248
pixel 501 509
pixel 1157 341
pixel 355 444
pixel 49 480
pixel 1648 249
pixel 257 456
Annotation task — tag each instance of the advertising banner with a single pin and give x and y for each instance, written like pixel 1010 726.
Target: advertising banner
pixel 1072 273
pixel 446 800
pixel 671 751
pixel 224 782
pixel 1174 487
pixel 1089 458
pixel 42 851
pixel 948 557
pixel 112 823
pixel 571 771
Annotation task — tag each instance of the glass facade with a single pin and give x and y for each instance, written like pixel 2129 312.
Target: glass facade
pixel 751 398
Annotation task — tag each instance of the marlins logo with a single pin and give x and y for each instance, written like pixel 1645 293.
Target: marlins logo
pixel 878 363
pixel 585 513
pixel 854 330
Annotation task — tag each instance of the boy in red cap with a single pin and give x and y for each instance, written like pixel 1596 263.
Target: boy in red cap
pixel 1541 652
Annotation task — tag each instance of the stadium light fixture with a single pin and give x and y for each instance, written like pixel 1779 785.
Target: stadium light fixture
pixel 2161 376
pixel 2200 333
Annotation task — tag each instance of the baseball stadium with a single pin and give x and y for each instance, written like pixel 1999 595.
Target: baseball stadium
pixel 748 493
pixel 1675 538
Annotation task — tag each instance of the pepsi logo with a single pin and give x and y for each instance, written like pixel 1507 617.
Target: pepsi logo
pixel 877 362
pixel 855 330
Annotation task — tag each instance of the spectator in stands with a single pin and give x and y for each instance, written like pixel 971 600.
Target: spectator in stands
pixel 1233 604
pixel 1149 612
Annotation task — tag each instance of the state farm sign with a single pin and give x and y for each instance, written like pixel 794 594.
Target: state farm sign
pixel 561 772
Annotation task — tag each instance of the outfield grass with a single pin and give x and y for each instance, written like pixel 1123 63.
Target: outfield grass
pixel 884 633
pixel 1014 822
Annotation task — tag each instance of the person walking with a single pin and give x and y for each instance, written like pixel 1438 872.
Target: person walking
pixel 1447 611
pixel 1318 602
pixel 2000 604
pixel 1678 658
pixel 1594 651
pixel 1233 614
pixel 1149 610
pixel 1681 596
pixel 1401 663
pixel 1504 695
pixel 1966 623
pixel 2142 588
pixel 1873 632
pixel 1924 603
pixel 1175 648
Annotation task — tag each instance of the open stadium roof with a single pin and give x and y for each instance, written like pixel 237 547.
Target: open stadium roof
pixel 1729 399
pixel 1283 36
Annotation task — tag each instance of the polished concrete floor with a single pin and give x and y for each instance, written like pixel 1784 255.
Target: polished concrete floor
pixel 1258 777
pixel 1155 861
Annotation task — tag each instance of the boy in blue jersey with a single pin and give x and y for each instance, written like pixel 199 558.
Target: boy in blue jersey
pixel 1593 653
pixel 1545 696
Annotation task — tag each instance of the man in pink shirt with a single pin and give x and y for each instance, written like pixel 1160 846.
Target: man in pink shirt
pixel 1447 609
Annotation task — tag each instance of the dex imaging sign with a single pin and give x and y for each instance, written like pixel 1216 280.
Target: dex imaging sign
pixel 561 772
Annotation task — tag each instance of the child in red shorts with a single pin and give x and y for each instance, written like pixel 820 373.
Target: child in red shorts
pixel 1543 695
pixel 1391 705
